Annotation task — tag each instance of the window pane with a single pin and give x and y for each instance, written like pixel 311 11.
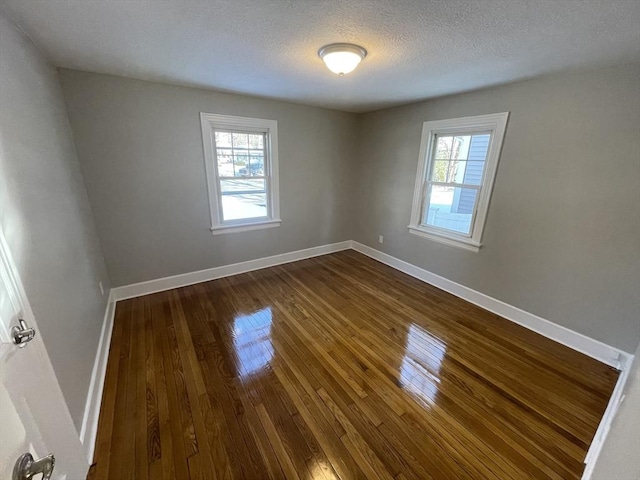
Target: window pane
pixel 450 208
pixel 223 139
pixel 478 147
pixel 239 185
pixel 240 140
pixel 256 141
pixel 243 198
pixel 256 164
pixel 452 147
pixel 238 207
pixel 443 148
pixel 470 173
pixel 241 161
pixel 444 171
pixel 224 158
pixel 460 150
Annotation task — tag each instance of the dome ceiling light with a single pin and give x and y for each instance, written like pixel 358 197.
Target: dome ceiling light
pixel 342 58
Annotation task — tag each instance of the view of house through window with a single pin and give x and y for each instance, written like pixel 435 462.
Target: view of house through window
pixel 240 158
pixel 456 175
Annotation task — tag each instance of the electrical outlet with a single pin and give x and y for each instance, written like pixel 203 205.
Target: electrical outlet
pixel 101 288
pixel 380 239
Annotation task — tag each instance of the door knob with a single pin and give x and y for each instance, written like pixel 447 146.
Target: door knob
pixel 22 334
pixel 26 467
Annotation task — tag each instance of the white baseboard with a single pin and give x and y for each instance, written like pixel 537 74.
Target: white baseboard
pixel 94 397
pixel 176 281
pixel 577 341
pixel 609 414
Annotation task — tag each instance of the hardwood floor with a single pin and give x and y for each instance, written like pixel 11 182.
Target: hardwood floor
pixel 338 367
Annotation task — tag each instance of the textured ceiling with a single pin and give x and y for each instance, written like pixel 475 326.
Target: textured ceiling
pixel 417 48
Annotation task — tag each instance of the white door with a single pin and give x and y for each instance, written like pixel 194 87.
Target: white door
pixel 33 414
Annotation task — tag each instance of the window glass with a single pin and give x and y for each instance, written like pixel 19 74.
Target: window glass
pixel 456 160
pixel 243 198
pixel 446 211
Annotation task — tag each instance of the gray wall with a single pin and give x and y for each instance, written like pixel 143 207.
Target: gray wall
pixel 562 238
pixel 618 458
pixel 45 215
pixel 141 149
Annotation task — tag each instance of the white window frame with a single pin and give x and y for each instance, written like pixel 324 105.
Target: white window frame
pixel 496 125
pixel 210 123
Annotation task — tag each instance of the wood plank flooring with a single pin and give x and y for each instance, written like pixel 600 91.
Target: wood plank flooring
pixel 338 367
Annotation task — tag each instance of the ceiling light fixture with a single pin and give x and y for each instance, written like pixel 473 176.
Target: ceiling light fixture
pixel 342 58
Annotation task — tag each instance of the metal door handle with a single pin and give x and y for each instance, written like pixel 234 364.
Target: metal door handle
pixel 26 467
pixel 22 334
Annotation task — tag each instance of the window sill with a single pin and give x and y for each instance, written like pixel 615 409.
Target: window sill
pixel 466 244
pixel 245 227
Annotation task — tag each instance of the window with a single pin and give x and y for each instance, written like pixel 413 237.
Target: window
pixel 456 168
pixel 241 157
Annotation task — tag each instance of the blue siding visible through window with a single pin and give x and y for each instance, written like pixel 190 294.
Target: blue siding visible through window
pixel 473 172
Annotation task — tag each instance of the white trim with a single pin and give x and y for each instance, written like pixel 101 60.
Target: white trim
pixel 495 124
pixel 607 418
pixel 577 341
pixel 243 227
pixel 94 396
pixel 53 419
pixel 182 280
pixel 211 121
pixel 443 237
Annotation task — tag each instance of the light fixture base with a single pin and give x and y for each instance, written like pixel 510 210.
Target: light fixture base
pixel 342 58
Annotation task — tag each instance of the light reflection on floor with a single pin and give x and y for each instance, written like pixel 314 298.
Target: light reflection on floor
pixel 421 365
pixel 252 342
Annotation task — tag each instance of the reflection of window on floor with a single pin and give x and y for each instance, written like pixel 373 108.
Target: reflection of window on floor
pixel 421 365
pixel 252 341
